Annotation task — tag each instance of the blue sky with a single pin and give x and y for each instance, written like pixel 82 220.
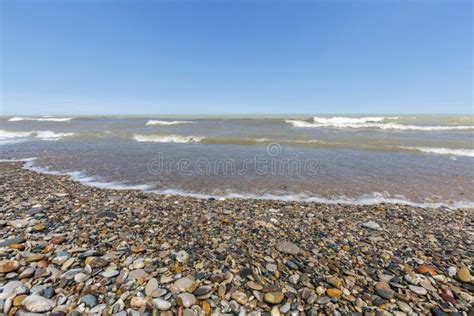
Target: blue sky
pixel 199 57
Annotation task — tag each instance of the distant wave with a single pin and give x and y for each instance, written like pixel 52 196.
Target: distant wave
pixel 351 120
pixel 444 151
pixel 157 122
pixel 167 138
pixel 44 135
pixel 40 119
pixel 370 122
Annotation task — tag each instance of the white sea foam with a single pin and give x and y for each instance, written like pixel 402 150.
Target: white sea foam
pixel 371 122
pixel 167 138
pixel 40 119
pixel 371 199
pixel 158 122
pixel 444 151
pixel 351 120
pixel 81 177
pixel 44 135
pixel 9 134
pixel 18 160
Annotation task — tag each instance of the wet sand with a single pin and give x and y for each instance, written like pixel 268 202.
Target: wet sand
pixel 70 248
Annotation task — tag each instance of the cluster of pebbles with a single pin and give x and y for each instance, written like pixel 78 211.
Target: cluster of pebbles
pixel 72 249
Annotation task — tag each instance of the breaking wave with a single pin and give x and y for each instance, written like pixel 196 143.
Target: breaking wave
pixel 167 138
pixel 40 119
pixel 165 123
pixel 444 151
pixel 43 135
pixel 370 122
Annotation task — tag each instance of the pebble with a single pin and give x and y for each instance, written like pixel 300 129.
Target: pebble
pixel 161 304
pixel 273 297
pixel 288 248
pixel 464 275
pixel 240 297
pixel 186 299
pixel 151 286
pixel 38 304
pixel 418 289
pixel 8 266
pixel 89 300
pixel 333 292
pixel 371 225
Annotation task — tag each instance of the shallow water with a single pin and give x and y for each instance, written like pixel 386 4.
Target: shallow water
pixel 363 159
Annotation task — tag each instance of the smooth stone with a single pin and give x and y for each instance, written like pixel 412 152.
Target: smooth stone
pixel 10 288
pixel 136 302
pixel 81 277
pixel 464 275
pixel 451 271
pixel 288 248
pixel 89 300
pixel 254 285
pixel 11 241
pixel 290 264
pixel 323 300
pixel 333 292
pixel 107 214
pixel 404 307
pixel 186 299
pixel 418 289
pixel 385 293
pixel 151 286
pixel 110 274
pixel 285 308
pixel 161 304
pixel 273 297
pixel 371 225
pixel 158 293
pixel 182 256
pixel 271 267
pixel 9 266
pixel 334 281
pixel 203 290
pixel 137 274
pixel 38 304
pixel 96 262
pixel 183 284
pixel 240 297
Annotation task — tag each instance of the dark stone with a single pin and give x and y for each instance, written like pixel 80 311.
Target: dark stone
pixel 435 311
pixel 49 292
pixel 108 214
pixel 245 272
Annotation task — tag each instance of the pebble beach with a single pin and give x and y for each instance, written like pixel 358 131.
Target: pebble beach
pixel 71 249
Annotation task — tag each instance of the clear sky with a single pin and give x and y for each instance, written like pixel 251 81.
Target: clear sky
pixel 198 57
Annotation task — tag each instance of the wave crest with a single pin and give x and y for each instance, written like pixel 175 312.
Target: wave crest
pixel 444 151
pixel 370 122
pixel 167 138
pixel 40 119
pixel 44 135
pixel 166 123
